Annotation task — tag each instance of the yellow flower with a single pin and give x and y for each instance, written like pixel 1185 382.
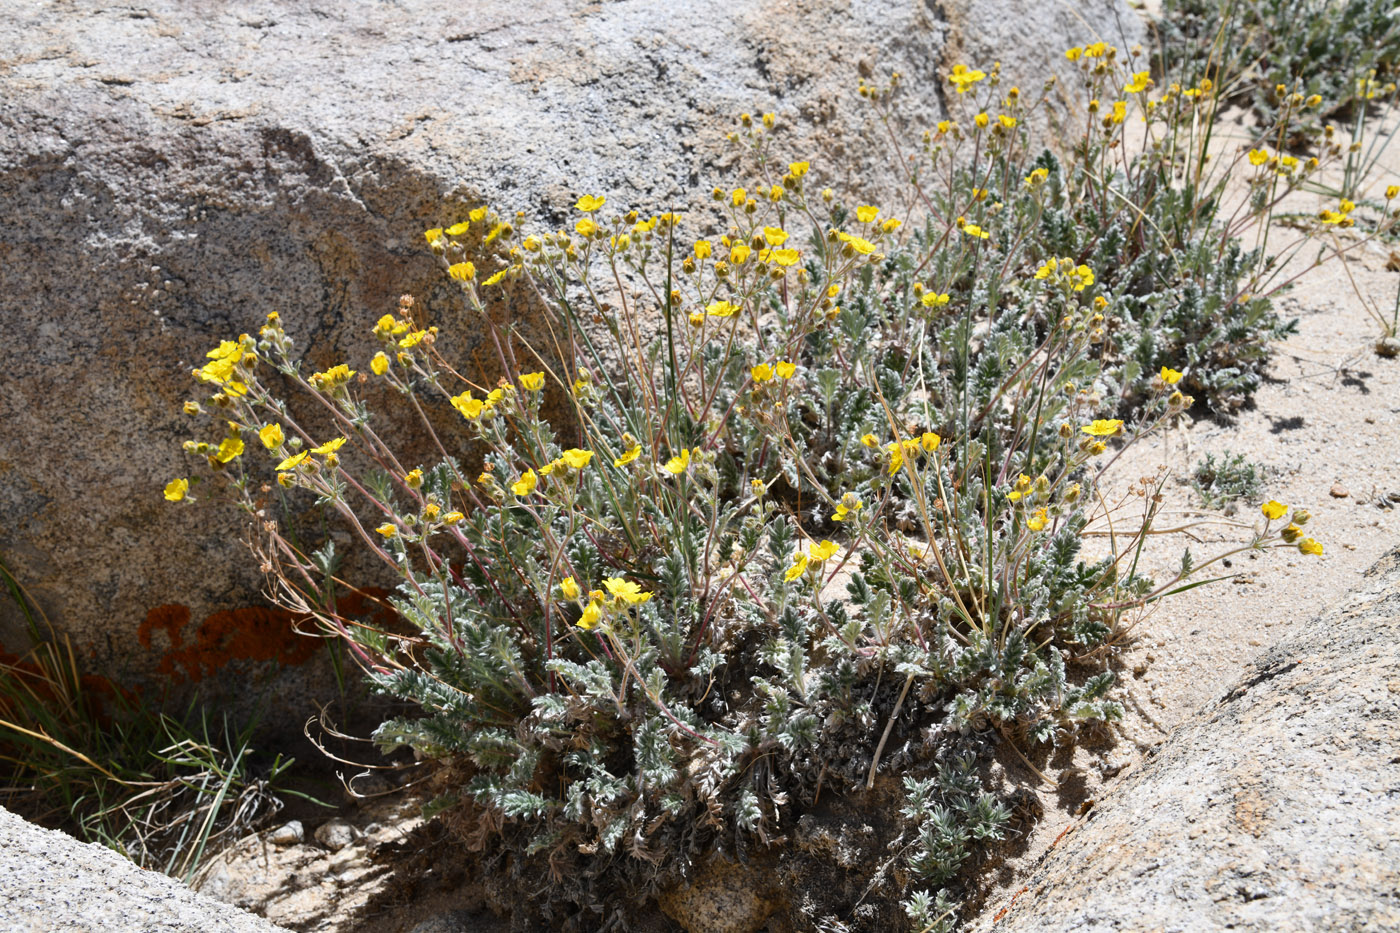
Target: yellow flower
pixel 462 271
pixel 332 378
pixel 629 455
pixel 679 463
pixel 414 478
pixel 844 511
pixel 590 202
pixel 431 510
pixel 1309 546
pixel 964 77
pixel 1258 156
pixel 934 300
pixel 329 447
pixel 798 169
pixel 891 225
pixel 1273 509
pixel 271 436
pixel 1023 486
pixel 898 451
pixel 453 518
pixel 973 230
pixel 380 364
pixel 293 461
pixel 1006 121
pixel 785 257
pixel 738 196
pixel 626 590
pixel 470 408
pixel 387 529
pixel 866 213
pixel 1170 376
pixel 824 551
pixel 532 382
pixel 1037 521
pixel 775 236
pixel 721 309
pixel 586 227
pixel 1074 54
pixel 1081 278
pixel 798 568
pixel 388 324
pixel 433 235
pixel 459 228
pixel 417 337
pixel 859 244
pixel 1103 427
pixel 526 484
pixel 869 440
pixel 1392 192
pixel 578 459
pixel 784 370
pixel 982 119
pixel 1142 80
pixel 591 614
pixel 569 587
pixel 286 480
pixel 703 249
pixel 229 448
pixel 1037 177
pixel 500 274
pixel 739 254
pixel 175 489
pixel 930 441
pixel 761 373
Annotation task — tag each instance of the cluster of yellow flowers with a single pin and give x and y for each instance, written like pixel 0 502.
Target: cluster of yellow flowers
pixel 618 594
pixel 1071 276
pixel 1292 533
pixel 908 448
pixel 811 560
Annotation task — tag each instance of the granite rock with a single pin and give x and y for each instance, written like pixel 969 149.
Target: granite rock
pixel 1275 808
pixel 171 171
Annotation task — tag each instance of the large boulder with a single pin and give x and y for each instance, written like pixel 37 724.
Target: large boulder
pixel 1276 808
pixel 52 883
pixel 173 170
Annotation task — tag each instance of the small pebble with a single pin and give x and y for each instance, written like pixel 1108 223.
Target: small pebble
pixel 335 835
pixel 1339 491
pixel 288 834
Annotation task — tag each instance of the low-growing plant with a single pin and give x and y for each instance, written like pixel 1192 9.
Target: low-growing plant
pixel 1345 51
pixel 825 508
pixel 82 754
pixel 1224 481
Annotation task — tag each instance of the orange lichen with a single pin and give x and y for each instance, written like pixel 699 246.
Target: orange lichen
pixel 255 633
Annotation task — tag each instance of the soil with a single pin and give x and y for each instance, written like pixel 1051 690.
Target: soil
pixel 1325 428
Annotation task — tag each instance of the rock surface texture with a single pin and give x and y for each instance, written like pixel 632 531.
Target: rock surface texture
pixel 171 171
pixel 1276 808
pixel 51 883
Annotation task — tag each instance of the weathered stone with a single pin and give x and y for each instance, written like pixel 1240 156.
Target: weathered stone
pixel 288 834
pixel 1274 809
pixel 50 882
pixel 172 171
pixel 336 834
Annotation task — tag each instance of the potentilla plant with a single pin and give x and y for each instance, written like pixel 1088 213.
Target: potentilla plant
pixel 816 514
